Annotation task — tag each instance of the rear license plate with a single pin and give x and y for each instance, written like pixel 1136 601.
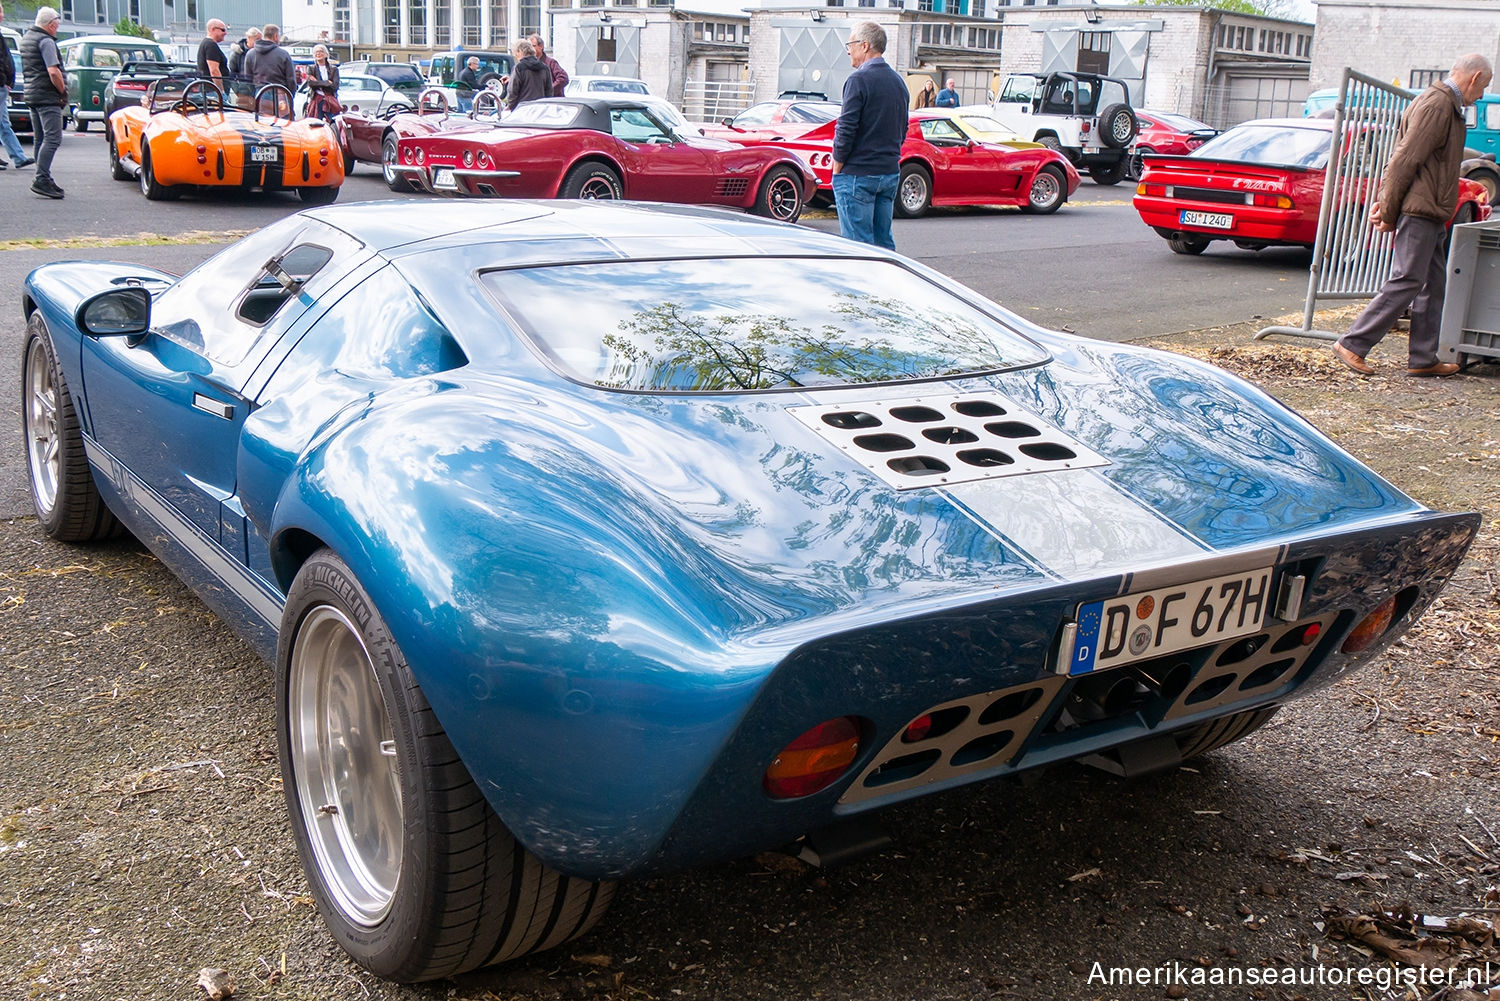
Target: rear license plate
pixel 262 154
pixel 443 178
pixel 1212 220
pixel 1147 624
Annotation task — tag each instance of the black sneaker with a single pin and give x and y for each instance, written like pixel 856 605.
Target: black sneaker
pixel 4 164
pixel 47 189
pixel 26 161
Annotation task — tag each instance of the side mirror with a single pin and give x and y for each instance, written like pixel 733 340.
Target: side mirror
pixel 118 312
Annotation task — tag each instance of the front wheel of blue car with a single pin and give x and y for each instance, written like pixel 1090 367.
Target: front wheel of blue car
pixel 415 875
pixel 67 502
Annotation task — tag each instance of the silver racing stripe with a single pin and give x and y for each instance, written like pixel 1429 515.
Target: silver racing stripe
pixel 1075 523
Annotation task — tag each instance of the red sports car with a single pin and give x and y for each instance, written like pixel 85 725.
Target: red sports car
pixel 1165 132
pixel 371 138
pixel 604 146
pixel 1259 184
pixel 953 157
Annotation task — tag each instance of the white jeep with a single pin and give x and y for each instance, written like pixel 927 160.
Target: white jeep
pixel 1084 116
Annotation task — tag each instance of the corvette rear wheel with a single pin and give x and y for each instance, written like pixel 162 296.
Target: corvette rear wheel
pixel 393 180
pixel 67 502
pixel 415 875
pixel 325 195
pixel 913 191
pixel 592 180
pixel 780 196
pixel 1048 192
pixel 116 171
pixel 154 190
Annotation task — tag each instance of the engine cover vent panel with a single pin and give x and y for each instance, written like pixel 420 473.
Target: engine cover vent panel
pixel 932 441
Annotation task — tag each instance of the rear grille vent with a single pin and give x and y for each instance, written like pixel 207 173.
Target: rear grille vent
pixel 1209 195
pixel 732 187
pixel 940 440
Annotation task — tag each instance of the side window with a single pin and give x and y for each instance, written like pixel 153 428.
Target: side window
pixel 106 58
pixel 1492 116
pixel 937 130
pixel 382 328
pixel 73 56
pixel 634 125
pixel 214 312
pixel 758 115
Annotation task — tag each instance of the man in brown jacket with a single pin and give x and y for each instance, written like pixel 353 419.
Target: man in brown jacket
pixel 1418 195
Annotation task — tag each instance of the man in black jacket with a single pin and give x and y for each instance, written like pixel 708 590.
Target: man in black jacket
pixel 7 84
pixel 529 80
pixel 268 62
pixel 867 140
pixel 240 49
pixel 46 93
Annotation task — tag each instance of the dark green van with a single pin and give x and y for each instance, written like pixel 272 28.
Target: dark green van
pixel 90 62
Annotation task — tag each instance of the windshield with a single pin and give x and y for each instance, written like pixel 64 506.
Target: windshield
pixel 987 126
pixel 702 325
pixel 618 87
pixel 1270 144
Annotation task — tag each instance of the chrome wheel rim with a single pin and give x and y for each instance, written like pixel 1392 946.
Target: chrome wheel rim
pixel 345 766
pixel 784 197
pixel 43 443
pixel 913 192
pixel 387 161
pixel 1122 128
pixel 1044 189
pixel 597 187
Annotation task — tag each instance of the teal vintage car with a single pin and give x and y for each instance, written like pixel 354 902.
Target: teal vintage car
pixel 90 63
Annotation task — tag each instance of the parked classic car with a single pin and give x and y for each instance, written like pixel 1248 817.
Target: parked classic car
pixel 364 93
pixel 579 86
pixel 639 537
pixel 775 120
pixel 369 137
pixel 183 136
pixel 128 87
pixel 1165 132
pixel 604 146
pixel 948 159
pixel 1259 184
pixel 20 114
pixel 90 62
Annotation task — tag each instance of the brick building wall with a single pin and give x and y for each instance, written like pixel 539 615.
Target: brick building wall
pixel 1392 40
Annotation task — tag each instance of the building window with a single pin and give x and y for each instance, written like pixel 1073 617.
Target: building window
pixel 471 26
pixel 604 50
pixel 1421 79
pixel 416 22
pixel 442 25
pixel 499 11
pixel 531 18
pixel 391 16
pixel 341 20
pixel 99 14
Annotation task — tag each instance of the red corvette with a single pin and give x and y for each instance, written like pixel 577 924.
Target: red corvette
pixel 1260 184
pixel 953 157
pixel 603 146
pixel 775 120
pixel 372 138
pixel 1165 132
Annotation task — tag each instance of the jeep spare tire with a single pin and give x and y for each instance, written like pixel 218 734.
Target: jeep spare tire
pixel 1117 126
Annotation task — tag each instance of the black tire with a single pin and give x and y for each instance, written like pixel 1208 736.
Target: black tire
pixel 1051 141
pixel 1117 126
pixel 1187 243
pixel 1215 734
pixel 591 180
pixel 416 877
pixel 325 195
pixel 913 191
pixel 349 161
pixel 780 195
pixel 1049 189
pixel 393 180
pixel 153 189
pixel 63 494
pixel 79 125
pixel 116 171
pixel 1135 162
pixel 1108 174
pixel 1490 179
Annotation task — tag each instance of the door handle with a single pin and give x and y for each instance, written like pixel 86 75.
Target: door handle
pixel 217 408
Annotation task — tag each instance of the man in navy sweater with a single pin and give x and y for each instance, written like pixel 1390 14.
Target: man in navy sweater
pixel 867 140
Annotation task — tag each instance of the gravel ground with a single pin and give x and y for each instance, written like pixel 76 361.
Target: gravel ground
pixel 143 837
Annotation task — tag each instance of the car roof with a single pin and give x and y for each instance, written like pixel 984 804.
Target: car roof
pixel 110 41
pixel 584 230
pixel 1315 124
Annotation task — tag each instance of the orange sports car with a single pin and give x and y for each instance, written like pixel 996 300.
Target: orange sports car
pixel 185 134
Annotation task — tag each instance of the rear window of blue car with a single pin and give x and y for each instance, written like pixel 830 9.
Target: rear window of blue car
pixel 742 324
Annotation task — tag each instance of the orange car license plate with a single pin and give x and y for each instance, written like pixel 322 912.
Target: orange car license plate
pixel 262 154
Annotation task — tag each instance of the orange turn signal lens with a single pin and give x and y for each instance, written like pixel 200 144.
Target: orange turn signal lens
pixel 815 760
pixel 1372 628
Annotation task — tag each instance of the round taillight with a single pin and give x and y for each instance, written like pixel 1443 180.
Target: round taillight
pixel 421 155
pixel 1371 628
pixel 815 760
pixel 468 158
pixel 410 156
pixel 484 160
pixel 202 150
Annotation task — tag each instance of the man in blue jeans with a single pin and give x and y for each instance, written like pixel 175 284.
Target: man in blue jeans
pixel 867 140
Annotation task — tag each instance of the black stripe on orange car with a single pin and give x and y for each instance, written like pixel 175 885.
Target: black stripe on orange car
pixel 259 173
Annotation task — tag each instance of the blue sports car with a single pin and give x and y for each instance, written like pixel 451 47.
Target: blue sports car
pixel 592 540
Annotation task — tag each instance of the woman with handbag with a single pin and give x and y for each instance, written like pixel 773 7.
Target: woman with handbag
pixel 322 86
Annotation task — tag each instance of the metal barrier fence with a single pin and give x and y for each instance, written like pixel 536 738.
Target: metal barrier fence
pixel 711 100
pixel 1351 259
